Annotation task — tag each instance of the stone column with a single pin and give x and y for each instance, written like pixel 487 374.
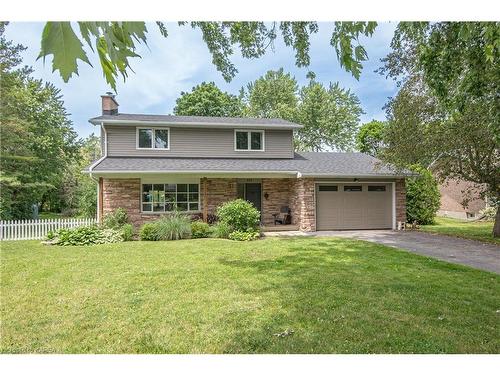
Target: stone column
pixel 304 206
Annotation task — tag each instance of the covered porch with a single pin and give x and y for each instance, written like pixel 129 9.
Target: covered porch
pixel 146 197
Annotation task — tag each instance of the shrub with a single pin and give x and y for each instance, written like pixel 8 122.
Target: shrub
pixel 221 230
pixel 422 197
pixel 488 213
pixel 84 236
pixel 148 232
pixel 116 219
pixel 244 236
pixel 174 227
pixel 199 229
pixel 240 215
pixel 127 232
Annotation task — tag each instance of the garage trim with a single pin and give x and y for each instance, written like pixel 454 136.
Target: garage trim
pixel 325 182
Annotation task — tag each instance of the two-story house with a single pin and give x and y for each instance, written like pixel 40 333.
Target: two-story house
pixel 154 164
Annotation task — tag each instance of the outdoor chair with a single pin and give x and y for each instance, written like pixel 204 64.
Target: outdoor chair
pixel 283 217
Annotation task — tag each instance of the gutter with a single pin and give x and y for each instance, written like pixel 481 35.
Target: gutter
pixel 196 124
pixel 203 171
pixel 321 175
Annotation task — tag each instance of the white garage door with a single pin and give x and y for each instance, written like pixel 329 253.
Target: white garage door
pixel 354 206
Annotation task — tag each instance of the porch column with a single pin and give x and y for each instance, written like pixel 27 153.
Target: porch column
pixel 205 199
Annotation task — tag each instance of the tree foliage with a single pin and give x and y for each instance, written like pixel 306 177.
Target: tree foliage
pixel 38 140
pixel 422 197
pixel 330 115
pixel 116 43
pixel 274 95
pixel 206 99
pixel 77 193
pixel 447 113
pixel 370 138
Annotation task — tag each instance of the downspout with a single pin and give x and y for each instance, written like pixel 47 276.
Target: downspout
pixel 100 181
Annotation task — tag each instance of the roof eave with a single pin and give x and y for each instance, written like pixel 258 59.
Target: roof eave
pixel 187 171
pixel 332 175
pixel 98 121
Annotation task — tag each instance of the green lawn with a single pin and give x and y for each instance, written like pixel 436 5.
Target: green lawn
pixel 478 230
pixel 220 296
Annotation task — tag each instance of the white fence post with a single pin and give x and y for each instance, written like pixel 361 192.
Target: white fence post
pixel 39 228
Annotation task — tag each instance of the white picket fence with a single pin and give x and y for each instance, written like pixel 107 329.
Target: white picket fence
pixel 37 229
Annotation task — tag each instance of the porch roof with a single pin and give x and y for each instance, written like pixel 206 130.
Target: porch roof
pixel 306 164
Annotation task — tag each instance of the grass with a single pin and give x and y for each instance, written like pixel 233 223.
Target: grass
pixel 474 230
pixel 220 296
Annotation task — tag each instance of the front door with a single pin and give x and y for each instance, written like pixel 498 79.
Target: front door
pixel 253 194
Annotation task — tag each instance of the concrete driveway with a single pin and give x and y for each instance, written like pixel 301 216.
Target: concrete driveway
pixel 450 249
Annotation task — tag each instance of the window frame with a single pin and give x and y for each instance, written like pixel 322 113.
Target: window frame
pixel 353 188
pixel 376 188
pixel 153 128
pixel 188 202
pixel 335 190
pixel 249 140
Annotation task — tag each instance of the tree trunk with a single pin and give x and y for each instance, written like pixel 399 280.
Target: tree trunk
pixel 496 226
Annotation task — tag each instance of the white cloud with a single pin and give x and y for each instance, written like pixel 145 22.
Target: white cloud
pixel 180 61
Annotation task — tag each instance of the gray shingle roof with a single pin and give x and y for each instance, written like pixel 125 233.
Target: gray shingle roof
pixel 305 163
pixel 195 120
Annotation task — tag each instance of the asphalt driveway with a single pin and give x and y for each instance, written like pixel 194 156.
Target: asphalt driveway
pixel 450 249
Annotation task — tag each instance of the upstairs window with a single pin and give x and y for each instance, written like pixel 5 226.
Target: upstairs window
pixel 249 140
pixel 153 138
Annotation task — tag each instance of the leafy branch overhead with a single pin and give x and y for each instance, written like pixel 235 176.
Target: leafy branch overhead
pixel 116 42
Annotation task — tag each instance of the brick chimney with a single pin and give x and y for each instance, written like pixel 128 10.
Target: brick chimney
pixel 109 104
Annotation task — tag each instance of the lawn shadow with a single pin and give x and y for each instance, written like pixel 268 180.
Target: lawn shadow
pixel 306 283
pixel 344 296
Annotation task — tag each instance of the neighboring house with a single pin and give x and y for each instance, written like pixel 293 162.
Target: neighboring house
pixel 154 164
pixel 460 199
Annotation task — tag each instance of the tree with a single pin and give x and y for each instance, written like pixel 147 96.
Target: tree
pixel 38 140
pixel 77 193
pixel 115 43
pixel 370 138
pixel 458 146
pixel 86 192
pixel 274 95
pixel 207 99
pixel 422 197
pixel 451 69
pixel 330 117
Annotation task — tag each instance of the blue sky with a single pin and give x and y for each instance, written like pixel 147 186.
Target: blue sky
pixel 181 61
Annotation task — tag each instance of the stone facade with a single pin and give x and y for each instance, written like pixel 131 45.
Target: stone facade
pixel 124 193
pixel 304 204
pixel 219 190
pixel 400 200
pixel 276 193
pixel 298 194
